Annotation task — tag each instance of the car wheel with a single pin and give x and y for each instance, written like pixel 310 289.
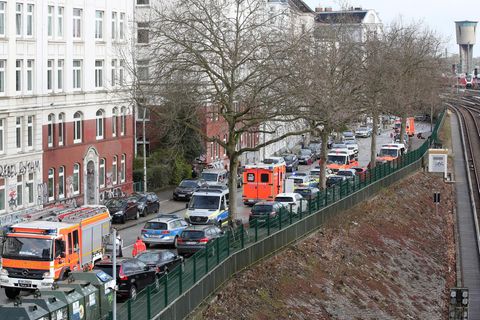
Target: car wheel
pixel 147 245
pixel 132 294
pixel 144 212
pixel 12 293
pixel 123 219
pixel 175 242
pixel 158 208
pixel 137 215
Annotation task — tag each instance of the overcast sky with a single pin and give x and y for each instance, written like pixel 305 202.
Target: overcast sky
pixel 438 15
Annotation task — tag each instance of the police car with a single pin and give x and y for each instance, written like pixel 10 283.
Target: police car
pixel 208 206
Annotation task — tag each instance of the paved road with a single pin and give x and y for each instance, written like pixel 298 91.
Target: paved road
pixel 131 229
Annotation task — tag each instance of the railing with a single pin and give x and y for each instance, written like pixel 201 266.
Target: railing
pixel 138 187
pixel 157 297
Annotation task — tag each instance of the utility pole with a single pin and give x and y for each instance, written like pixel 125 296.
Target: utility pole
pixel 114 274
pixel 144 151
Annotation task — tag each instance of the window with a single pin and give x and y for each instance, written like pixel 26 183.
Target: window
pixel 18 75
pixel 2 19
pixel 60 22
pixel 142 32
pixel 2 76
pixel 50 129
pixel 114 25
pixel 250 177
pixel 264 177
pixel 2 130
pixel 61 128
pixel 60 75
pixel 100 124
pixel 77 127
pixel 98 73
pixel 2 194
pixel 30 75
pixel 122 26
pixel 18 132
pixel 51 184
pixel 29 187
pixel 76 178
pixel 101 173
pixel 122 168
pixel 49 75
pixel 123 121
pixel 143 1
pixel 29 20
pixel 114 72
pixel 114 170
pixel 114 122
pixel 142 70
pixel 77 23
pixel 50 21
pixel 98 25
pixel 19 190
pixel 30 132
pixel 61 182
pixel 77 74
pixel 120 72
pixel 19 19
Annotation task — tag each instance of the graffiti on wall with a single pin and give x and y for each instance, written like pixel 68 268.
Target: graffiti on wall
pixel 22 167
pixel 42 193
pixel 12 197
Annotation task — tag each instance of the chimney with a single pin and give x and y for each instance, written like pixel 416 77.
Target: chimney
pixel 318 9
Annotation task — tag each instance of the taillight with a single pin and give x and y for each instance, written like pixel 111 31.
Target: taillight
pixel 157 269
pixel 121 275
pixel 179 240
pixel 203 240
pixel 165 232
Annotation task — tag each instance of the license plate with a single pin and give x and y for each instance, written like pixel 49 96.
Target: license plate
pixel 191 242
pixel 181 195
pixel 24 282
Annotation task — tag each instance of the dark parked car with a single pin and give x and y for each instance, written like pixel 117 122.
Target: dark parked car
pixel 146 202
pixel 162 261
pixel 291 162
pixel 264 210
pixel 133 275
pixel 122 209
pixel 308 193
pixel 333 180
pixel 196 237
pixel 316 149
pixel 187 187
pixel 306 156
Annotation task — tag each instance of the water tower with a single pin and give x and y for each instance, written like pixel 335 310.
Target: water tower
pixel 466 35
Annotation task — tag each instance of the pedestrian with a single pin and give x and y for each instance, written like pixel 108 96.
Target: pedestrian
pixel 138 246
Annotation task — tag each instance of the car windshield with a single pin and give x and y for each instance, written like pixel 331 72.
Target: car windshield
pixel 315 173
pixel 209 176
pixel 303 192
pixel 155 225
pixel 335 159
pixel 297 180
pixel 288 158
pixel 362 129
pixel 204 202
pixel 189 184
pixel 339 146
pixel 284 199
pixel 27 249
pixel 350 142
pixel 262 208
pixel 192 234
pixel 334 179
pixel 345 173
pixel 305 152
pixel 107 268
pixel 388 152
pixel 149 257
pixel 301 174
pixel 115 203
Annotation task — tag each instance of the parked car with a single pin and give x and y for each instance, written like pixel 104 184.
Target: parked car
pixel 132 274
pixel 363 132
pixel 349 173
pixel 264 210
pixel 290 200
pixel 291 161
pixel 360 171
pixel 122 209
pixel 339 145
pixel 316 149
pixel 163 230
pixel 146 203
pixel 301 181
pixel 306 157
pixel 300 174
pixel 334 180
pixel 162 261
pixel 187 187
pixel 196 237
pixel 310 193
pixel 352 145
pixel 348 135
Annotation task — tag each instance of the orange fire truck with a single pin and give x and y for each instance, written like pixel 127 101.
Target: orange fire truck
pixel 37 253
pixel 341 159
pixel 263 181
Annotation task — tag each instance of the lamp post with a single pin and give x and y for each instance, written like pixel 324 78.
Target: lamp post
pixel 144 151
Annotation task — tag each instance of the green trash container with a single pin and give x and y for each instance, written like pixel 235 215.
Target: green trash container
pixel 25 311
pixel 104 283
pixel 58 309
pixel 90 294
pixel 74 300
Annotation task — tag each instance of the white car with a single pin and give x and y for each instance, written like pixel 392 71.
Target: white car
pixel 290 200
pixel 363 132
pixel 352 145
pixel 349 173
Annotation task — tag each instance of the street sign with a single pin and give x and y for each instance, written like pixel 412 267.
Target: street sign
pixel 436 197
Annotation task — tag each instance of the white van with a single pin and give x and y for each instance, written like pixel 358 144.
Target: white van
pixel 215 176
pixel 208 206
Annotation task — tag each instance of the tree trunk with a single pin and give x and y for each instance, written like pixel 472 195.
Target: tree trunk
pixel 323 159
pixel 373 147
pixel 232 186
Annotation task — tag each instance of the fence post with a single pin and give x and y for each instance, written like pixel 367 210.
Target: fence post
pixel 280 221
pixel 180 282
pixel 242 235
pixel 318 201
pixel 333 193
pixel 206 258
pixel 194 268
pixel 129 309
pixel 217 245
pixel 301 208
pixel 165 290
pixel 256 230
pixel 228 243
pixel 310 206
pixel 268 225
pixel 149 306
pixel 290 216
pixel 326 196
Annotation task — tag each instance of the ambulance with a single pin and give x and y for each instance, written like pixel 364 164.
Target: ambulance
pixel 263 181
pixel 37 253
pixel 341 159
pixel 390 151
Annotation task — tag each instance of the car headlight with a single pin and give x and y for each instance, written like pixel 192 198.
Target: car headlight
pixel 118 213
pixel 3 272
pixel 47 275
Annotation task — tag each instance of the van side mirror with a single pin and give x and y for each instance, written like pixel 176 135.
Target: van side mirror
pixel 186 205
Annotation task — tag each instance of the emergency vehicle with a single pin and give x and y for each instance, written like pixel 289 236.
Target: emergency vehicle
pixel 263 181
pixel 208 205
pixel 341 159
pixel 37 253
pixel 389 152
pixel 410 127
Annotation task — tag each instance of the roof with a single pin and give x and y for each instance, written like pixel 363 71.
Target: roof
pixel 300 5
pixel 286 194
pixel 355 16
pixel 164 218
pixel 215 170
pixel 41 224
pixel 198 227
pixel 263 203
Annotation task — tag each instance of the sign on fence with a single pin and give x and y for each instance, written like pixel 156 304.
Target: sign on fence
pixel 437 161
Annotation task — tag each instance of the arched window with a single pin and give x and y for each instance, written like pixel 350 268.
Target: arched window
pixel 101 173
pixel 50 129
pixel 76 178
pixel 123 121
pixel 114 122
pixel 123 168
pixel 77 127
pixel 100 123
pixel 61 129
pixel 51 184
pixel 61 182
pixel 114 170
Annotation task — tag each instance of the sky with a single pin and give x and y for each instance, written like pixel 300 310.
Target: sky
pixel 438 15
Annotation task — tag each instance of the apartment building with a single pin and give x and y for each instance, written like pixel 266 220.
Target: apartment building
pixel 66 127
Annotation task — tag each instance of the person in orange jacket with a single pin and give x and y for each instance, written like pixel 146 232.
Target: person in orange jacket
pixel 138 246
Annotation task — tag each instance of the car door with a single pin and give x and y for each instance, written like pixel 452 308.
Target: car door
pixel 169 260
pixel 149 204
pixel 143 276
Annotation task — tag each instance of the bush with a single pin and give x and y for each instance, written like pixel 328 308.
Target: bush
pixel 181 170
pixel 138 175
pixel 158 176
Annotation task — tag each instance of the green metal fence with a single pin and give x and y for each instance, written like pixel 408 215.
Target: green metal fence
pixel 158 296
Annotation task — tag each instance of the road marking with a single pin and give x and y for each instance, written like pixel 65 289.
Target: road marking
pixel 163 201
